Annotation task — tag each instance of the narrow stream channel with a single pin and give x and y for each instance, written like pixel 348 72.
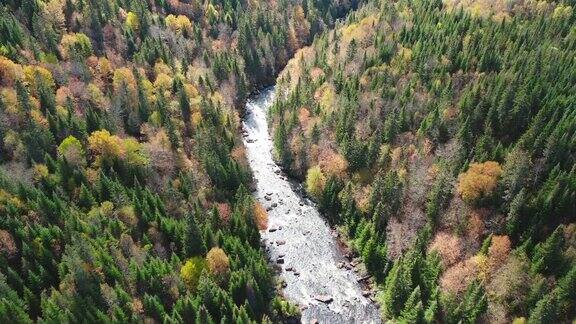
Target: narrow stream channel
pixel 298 240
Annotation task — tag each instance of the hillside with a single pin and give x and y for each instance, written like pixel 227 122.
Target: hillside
pixel 124 187
pixel 440 139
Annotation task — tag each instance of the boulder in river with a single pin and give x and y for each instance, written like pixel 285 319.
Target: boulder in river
pixel 280 261
pixel 280 242
pixel 272 229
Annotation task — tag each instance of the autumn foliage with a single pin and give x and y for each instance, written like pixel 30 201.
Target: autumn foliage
pixel 449 246
pixel 315 181
pixel 191 271
pixel 479 181
pixel 261 216
pixel 217 261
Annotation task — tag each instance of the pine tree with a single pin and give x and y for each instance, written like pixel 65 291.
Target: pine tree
pixel 413 311
pixel 547 256
pixel 192 242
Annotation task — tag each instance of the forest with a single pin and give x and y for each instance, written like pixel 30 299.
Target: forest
pixel 124 188
pixel 439 138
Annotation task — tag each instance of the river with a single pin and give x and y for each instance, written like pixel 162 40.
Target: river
pixel 298 240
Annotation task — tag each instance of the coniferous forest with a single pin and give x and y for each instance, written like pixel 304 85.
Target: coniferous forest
pixel 124 189
pixel 440 137
pixel 437 137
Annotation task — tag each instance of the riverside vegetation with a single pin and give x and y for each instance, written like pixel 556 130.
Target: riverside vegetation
pixel 440 138
pixel 124 188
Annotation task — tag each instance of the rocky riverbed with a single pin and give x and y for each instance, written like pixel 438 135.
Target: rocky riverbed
pixel 316 273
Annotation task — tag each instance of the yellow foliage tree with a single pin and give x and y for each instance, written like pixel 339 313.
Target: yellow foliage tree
pixel 179 24
pixel 134 154
pixel 34 74
pixel 75 45
pixel 301 25
pixel 218 262
pixel 104 68
pixel 479 181
pixel 132 21
pixel 123 77
pixel 96 97
pixel 315 181
pixel 191 271
pixel 105 145
pixel 9 72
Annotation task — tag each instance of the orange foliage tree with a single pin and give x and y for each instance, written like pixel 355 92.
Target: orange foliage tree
pixel 260 216
pixel 499 251
pixel 449 246
pixel 479 181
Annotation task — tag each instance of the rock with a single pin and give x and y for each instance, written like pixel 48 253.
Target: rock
pixel 281 255
pixel 301 204
pixel 280 242
pixel 324 299
pixel 250 140
pixel 313 321
pixel 296 273
pixel 272 229
pixel 280 227
pixel 268 208
pixel 267 198
pixel 366 293
pixel 289 269
pixel 268 193
pixel 363 278
pixel 284 284
pixel 274 205
pixel 280 261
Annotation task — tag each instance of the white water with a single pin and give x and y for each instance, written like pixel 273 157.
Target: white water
pixel 309 248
